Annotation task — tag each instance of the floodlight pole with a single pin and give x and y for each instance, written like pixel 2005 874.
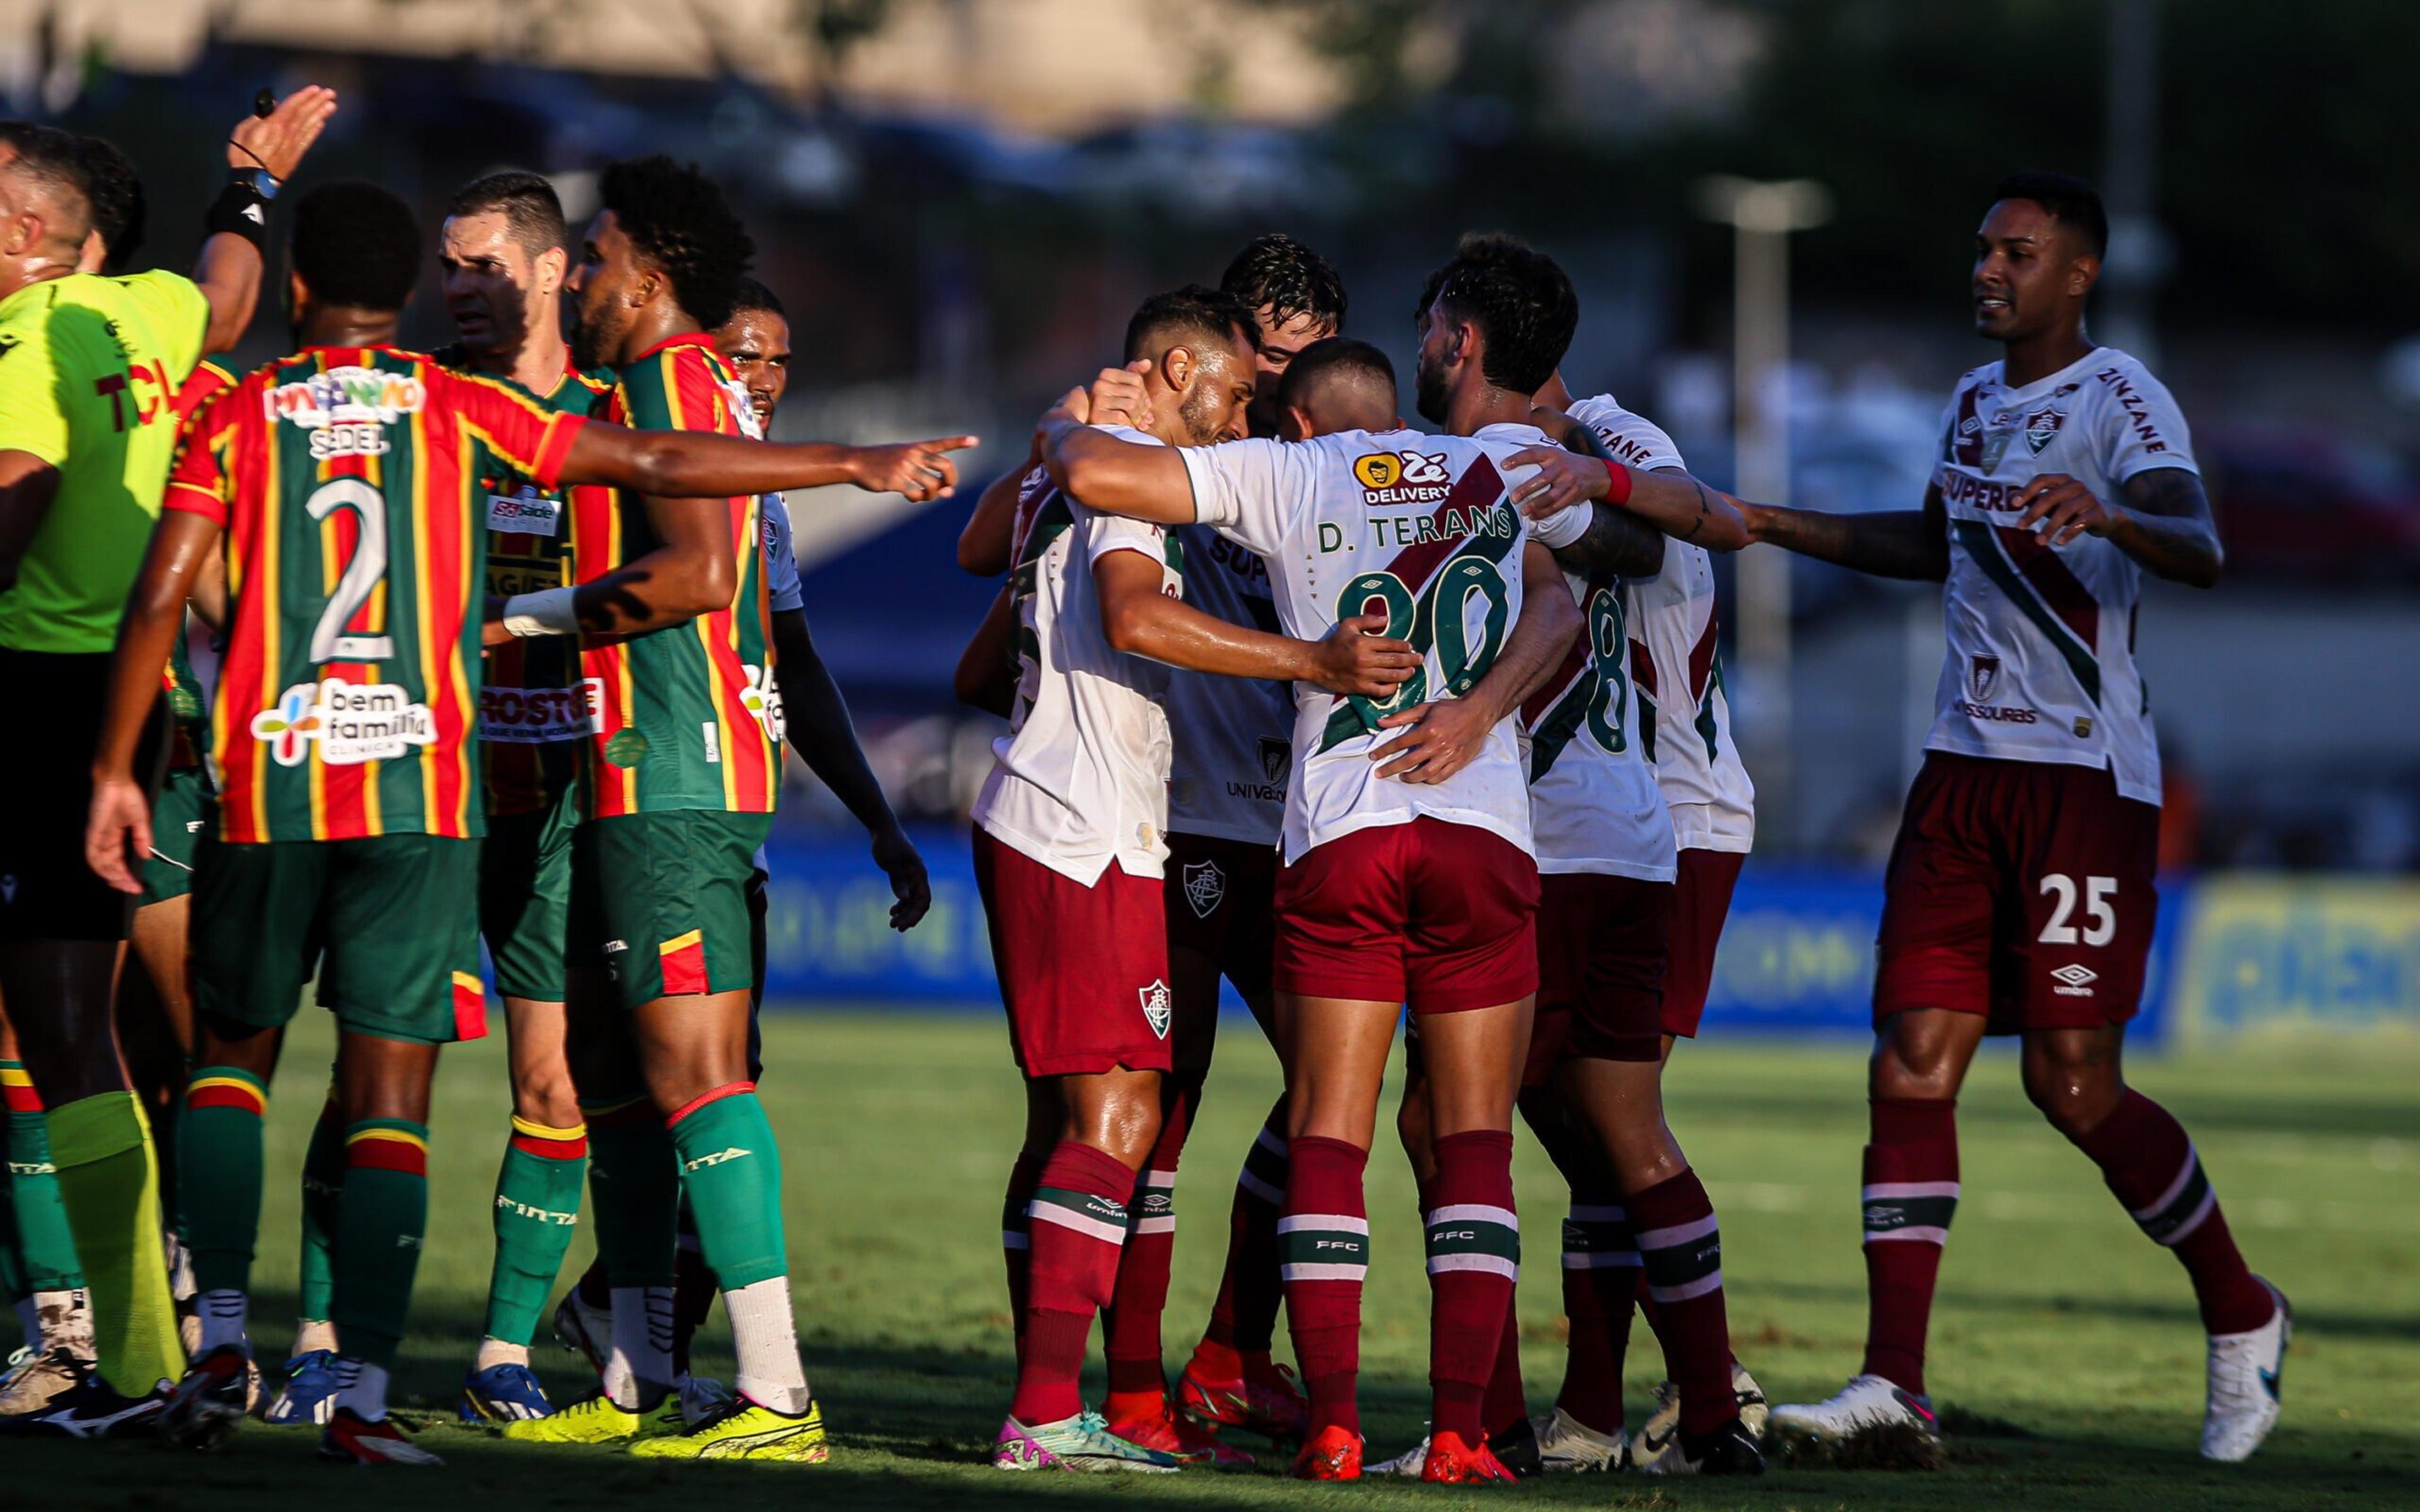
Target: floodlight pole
pixel 1762 215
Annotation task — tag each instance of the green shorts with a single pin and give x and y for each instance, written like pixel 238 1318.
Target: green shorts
pixel 660 900
pixel 179 816
pixel 390 923
pixel 525 897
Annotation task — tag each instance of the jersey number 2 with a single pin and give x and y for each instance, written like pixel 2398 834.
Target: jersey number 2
pixel 2100 911
pixel 361 575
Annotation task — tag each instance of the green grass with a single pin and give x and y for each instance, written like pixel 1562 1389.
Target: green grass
pixel 2054 1314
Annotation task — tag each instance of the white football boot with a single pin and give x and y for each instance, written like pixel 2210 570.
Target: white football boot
pixel 2243 1385
pixel 1864 1402
pixel 1660 1435
pixel 1567 1445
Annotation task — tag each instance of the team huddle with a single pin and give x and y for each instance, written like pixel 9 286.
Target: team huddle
pixel 1357 717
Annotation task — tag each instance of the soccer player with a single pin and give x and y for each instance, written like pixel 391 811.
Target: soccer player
pixel 814 718
pixel 1233 751
pixel 1069 848
pixel 85 434
pixel 502 255
pixel 2021 892
pixel 1407 829
pixel 755 343
pixel 1683 728
pixel 1071 823
pixel 346 830
pixel 679 791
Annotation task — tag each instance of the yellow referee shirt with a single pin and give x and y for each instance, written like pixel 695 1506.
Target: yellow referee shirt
pixel 87 366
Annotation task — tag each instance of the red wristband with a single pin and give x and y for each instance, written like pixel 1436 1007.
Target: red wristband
pixel 1619 493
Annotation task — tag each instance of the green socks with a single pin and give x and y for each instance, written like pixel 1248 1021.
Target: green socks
pixel 221 1160
pixel 379 1231
pixel 110 1187
pixel 45 1254
pixel 537 1203
pixel 733 1174
pixel 323 1197
pixel 636 1187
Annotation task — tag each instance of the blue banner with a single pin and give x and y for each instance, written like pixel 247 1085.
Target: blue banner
pixel 1798 956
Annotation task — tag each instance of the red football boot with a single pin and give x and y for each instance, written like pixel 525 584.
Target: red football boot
pixel 1271 1404
pixel 1333 1454
pixel 1452 1462
pixel 1186 1439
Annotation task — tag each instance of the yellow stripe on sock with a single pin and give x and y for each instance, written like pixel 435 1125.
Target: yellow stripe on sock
pixel 540 1131
pixel 16 1078
pixel 398 1136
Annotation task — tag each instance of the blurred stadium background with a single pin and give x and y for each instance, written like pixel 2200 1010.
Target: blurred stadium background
pixel 962 199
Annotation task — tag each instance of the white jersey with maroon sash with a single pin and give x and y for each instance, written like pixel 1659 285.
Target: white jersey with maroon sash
pixel 1081 780
pixel 2041 664
pixel 1234 735
pixel 1593 800
pixel 1684 720
pixel 1414 527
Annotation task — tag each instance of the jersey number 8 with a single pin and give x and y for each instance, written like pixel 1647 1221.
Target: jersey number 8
pixel 1609 651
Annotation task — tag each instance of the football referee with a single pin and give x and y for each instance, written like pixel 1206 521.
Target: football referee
pixel 88 366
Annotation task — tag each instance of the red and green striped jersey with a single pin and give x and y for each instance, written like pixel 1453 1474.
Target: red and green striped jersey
pixel 189 719
pixel 534 709
pixel 346 478
pixel 681 720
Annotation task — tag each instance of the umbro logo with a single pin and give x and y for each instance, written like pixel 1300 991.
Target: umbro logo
pixel 731 1152
pixel 2075 981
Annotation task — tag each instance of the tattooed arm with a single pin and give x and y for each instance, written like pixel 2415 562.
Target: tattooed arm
pixel 1907 542
pixel 2164 523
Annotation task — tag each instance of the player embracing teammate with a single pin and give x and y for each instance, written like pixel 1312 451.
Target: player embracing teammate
pixel 1070 846
pixel 1408 869
pixel 2021 892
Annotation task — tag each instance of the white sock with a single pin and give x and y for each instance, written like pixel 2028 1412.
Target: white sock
pixel 767 1341
pixel 495 1352
pixel 312 1334
pixel 360 1387
pixel 639 1365
pixel 62 1320
pixel 223 1316
pixel 181 1285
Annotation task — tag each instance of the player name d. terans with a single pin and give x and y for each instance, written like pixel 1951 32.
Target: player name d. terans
pixel 1451 524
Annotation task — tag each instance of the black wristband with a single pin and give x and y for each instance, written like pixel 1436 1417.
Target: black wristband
pixel 241 210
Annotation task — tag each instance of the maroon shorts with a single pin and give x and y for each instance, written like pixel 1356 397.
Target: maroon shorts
pixel 1441 915
pixel 1222 902
pixel 1601 953
pixel 1083 970
pixel 2020 890
pixel 1701 900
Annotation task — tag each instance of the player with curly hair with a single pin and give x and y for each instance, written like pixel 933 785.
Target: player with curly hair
pixel 679 781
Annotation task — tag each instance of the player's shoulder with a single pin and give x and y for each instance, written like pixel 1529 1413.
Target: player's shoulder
pixel 155 287
pixel 207 381
pixel 2114 373
pixel 1633 439
pixel 1981 377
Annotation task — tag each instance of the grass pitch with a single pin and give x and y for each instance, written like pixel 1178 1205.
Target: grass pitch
pixel 2064 1344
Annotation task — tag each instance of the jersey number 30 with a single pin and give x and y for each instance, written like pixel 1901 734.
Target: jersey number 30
pixel 328 642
